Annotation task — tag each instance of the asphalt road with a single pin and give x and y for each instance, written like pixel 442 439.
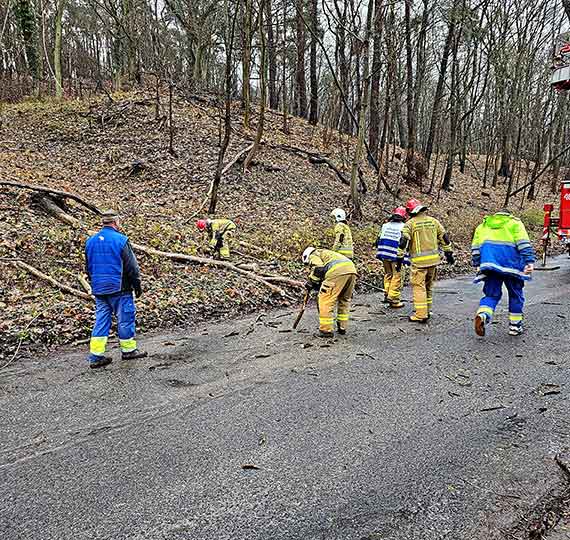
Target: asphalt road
pixel 392 432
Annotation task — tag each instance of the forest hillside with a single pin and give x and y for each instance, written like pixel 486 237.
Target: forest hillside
pixel 113 152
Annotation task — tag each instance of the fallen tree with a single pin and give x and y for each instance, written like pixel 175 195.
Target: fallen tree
pixel 53 192
pixel 51 208
pixel 315 158
pixel 208 262
pixel 44 277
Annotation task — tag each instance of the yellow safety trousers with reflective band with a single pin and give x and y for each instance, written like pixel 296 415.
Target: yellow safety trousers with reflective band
pixel 333 263
pixel 425 235
pixel 393 281
pixel 98 345
pixel 343 243
pixel 422 280
pixel 335 294
pixel 336 288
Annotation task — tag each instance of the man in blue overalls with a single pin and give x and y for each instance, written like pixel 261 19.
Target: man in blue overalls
pixel 114 274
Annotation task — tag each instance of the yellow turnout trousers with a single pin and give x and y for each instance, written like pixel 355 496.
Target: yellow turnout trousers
pixel 393 281
pixel 333 291
pixel 422 280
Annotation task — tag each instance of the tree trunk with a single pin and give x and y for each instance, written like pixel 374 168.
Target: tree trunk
pixel 246 63
pixel 566 6
pixel 271 56
pixel 411 119
pixel 300 82
pixel 454 118
pixel 344 124
pixel 228 109
pixel 439 91
pixel 57 49
pixel 263 99
pixel 358 154
pixel 314 104
pixel 374 130
pixel 284 70
pixel 25 16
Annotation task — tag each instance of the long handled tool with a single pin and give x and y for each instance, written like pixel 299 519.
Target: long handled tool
pixel 303 308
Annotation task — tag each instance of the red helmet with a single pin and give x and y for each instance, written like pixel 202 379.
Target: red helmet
pixel 400 211
pixel 413 206
pixel 202 224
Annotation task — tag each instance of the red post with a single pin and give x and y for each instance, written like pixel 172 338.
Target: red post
pixel 548 208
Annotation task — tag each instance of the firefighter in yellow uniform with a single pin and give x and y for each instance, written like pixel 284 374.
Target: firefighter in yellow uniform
pixel 342 234
pixel 334 276
pixel 422 237
pixel 219 231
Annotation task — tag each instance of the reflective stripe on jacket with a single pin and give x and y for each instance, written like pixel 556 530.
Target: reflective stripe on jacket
pixel 389 241
pixel 328 264
pixel 425 235
pixel 343 243
pixel 501 244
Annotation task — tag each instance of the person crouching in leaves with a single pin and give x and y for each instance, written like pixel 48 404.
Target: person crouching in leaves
pixel 387 251
pixel 343 243
pixel 219 231
pixel 114 274
pixel 503 254
pixel 334 276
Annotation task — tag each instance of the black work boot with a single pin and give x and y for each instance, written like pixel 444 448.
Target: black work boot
pixel 322 334
pixel 131 355
pixel 341 331
pixel 102 361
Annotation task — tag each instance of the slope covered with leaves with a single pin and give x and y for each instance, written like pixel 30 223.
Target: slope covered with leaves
pixel 115 155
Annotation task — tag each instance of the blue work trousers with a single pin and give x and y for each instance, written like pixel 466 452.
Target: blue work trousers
pixel 122 305
pixel 493 291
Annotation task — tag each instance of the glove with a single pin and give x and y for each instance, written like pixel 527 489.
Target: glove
pixel 449 258
pixel 138 291
pixel 399 262
pixel 309 286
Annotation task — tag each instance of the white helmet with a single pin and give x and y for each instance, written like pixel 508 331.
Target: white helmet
pixel 307 254
pixel 339 214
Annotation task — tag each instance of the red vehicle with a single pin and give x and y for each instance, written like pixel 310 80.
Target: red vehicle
pixel 559 225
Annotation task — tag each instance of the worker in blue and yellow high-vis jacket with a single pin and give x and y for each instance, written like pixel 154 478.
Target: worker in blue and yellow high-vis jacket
pixel 114 275
pixel 343 242
pixel 502 253
pixel 334 276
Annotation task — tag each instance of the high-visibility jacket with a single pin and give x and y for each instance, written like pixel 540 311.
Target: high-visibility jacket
pixel 423 236
pixel 389 241
pixel 328 264
pixel 110 263
pixel 501 244
pixel 218 228
pixel 343 243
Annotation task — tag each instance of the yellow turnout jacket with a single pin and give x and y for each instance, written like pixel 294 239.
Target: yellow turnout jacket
pixel 328 264
pixel 424 236
pixel 219 227
pixel 343 240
